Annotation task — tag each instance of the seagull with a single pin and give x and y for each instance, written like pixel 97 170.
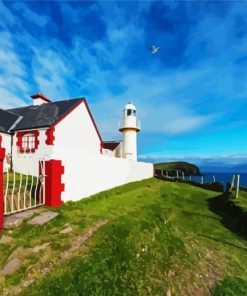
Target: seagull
pixel 154 49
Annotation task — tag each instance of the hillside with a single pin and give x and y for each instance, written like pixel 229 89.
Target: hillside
pixel 185 167
pixel 160 238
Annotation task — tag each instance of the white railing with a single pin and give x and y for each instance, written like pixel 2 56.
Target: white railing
pixel 23 191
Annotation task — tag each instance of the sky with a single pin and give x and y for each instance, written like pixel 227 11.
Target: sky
pixel 191 96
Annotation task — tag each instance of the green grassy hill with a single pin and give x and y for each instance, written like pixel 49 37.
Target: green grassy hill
pixel 161 238
pixel 181 166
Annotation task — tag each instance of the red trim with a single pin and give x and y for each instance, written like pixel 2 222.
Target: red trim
pixel 50 136
pixel 83 100
pixel 53 185
pixel 2 155
pixel 20 135
pixel 40 96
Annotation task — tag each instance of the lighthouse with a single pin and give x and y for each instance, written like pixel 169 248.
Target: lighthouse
pixel 129 126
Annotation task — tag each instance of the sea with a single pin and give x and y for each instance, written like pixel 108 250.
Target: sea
pixel 221 177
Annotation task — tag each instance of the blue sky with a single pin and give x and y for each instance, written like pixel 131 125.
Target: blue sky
pixel 190 96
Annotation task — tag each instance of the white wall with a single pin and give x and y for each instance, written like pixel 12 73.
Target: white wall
pixel 108 152
pixel 86 176
pixel 6 143
pixel 76 135
pixel 28 163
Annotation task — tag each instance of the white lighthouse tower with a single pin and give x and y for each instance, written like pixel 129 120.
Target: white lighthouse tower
pixel 130 126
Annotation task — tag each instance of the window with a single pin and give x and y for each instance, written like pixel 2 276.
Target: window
pixel 131 112
pixel 27 142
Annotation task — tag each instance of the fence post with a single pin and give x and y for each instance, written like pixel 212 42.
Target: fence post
pixel 232 182
pixel 2 155
pixel 237 188
pixel 53 183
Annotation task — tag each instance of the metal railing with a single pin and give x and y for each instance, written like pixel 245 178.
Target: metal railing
pixel 23 191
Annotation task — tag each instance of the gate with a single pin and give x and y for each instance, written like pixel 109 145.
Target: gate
pixel 23 191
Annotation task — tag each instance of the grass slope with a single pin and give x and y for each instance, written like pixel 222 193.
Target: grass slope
pixel 161 236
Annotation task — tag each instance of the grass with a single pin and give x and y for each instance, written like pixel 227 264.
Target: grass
pixel 161 236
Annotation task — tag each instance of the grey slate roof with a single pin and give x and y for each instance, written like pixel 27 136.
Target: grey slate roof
pixel 39 116
pixel 7 119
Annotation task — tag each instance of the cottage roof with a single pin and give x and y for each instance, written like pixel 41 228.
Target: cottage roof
pixel 110 145
pixel 39 116
pixel 7 120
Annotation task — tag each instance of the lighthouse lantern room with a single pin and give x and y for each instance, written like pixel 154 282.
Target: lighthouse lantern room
pixel 130 126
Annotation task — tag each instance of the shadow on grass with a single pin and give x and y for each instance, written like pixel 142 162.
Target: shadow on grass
pixel 233 217
pixel 222 241
pixel 230 286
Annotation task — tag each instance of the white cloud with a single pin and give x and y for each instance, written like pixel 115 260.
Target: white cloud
pixel 6 16
pixel 51 72
pixel 29 15
pixel 13 86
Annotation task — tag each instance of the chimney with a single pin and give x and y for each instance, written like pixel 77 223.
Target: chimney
pixel 40 99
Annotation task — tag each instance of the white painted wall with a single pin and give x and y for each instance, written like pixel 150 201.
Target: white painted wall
pixel 109 152
pixel 75 135
pixel 6 143
pixel 115 153
pixel 86 176
pixel 28 163
pixel 119 150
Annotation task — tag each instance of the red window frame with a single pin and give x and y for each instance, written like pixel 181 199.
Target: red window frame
pixel 50 138
pixel 19 143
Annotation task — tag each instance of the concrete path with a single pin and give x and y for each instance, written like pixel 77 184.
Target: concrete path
pixel 5 239
pixel 43 218
pixel 15 220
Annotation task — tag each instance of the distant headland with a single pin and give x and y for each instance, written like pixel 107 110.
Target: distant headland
pixel 180 166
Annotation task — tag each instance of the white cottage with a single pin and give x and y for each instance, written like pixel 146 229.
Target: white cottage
pixel 66 131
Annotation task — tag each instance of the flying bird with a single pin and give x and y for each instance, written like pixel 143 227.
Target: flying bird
pixel 154 49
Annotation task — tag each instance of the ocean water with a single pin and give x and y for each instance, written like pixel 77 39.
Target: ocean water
pixel 221 177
